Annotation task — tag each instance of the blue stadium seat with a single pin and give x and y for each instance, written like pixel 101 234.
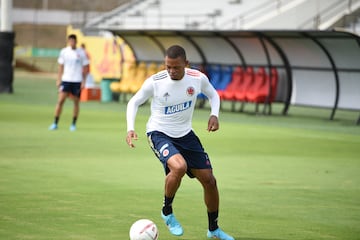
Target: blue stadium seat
pixel 226 76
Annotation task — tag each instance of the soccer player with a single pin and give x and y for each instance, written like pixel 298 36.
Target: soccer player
pixel 73 69
pixel 170 135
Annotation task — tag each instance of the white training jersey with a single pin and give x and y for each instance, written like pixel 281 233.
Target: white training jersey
pixel 173 102
pixel 73 60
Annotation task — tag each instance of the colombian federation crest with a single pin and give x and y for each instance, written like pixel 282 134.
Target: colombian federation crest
pixel 190 91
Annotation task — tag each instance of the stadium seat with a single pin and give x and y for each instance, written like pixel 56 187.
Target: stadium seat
pixel 114 86
pixel 262 93
pixel 257 92
pixel 139 78
pixel 127 77
pixel 201 97
pixel 152 68
pixel 236 81
pixel 248 80
pixel 226 75
pixel 199 67
pixel 214 74
pixel 161 67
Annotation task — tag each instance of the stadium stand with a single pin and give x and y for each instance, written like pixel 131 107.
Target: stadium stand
pixel 311 67
pixel 227 15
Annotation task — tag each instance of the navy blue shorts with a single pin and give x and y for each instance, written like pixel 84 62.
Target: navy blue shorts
pixel 71 87
pixel 189 146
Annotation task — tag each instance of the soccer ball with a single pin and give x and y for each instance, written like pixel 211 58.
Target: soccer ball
pixel 143 229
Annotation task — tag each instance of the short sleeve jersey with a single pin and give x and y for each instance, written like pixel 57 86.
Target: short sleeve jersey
pixel 73 60
pixel 173 101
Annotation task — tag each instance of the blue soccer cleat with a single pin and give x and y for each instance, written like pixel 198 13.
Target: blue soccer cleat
pixel 73 127
pixel 173 225
pixel 53 126
pixel 219 234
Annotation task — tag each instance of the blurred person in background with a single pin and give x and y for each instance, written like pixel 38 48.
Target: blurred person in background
pixel 73 70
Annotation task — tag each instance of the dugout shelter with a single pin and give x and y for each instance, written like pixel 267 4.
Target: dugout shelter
pixel 315 68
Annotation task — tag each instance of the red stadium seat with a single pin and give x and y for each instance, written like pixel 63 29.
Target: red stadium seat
pixel 236 81
pixel 257 90
pixel 274 82
pixel 261 93
pixel 248 80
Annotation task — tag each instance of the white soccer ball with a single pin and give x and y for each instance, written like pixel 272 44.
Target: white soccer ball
pixel 144 229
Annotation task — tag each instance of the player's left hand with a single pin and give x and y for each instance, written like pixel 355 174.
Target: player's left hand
pixel 213 124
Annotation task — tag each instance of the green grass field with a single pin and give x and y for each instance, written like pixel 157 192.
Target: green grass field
pixel 295 177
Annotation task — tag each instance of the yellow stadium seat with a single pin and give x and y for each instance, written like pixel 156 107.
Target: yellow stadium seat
pixel 127 77
pixel 114 86
pixel 152 69
pixel 139 78
pixel 161 67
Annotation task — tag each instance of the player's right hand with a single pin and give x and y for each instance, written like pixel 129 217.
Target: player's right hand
pixel 131 135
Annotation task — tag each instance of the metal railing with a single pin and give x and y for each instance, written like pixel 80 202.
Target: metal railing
pixel 317 21
pixel 255 13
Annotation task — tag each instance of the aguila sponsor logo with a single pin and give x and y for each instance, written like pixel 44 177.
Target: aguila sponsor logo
pixel 177 108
